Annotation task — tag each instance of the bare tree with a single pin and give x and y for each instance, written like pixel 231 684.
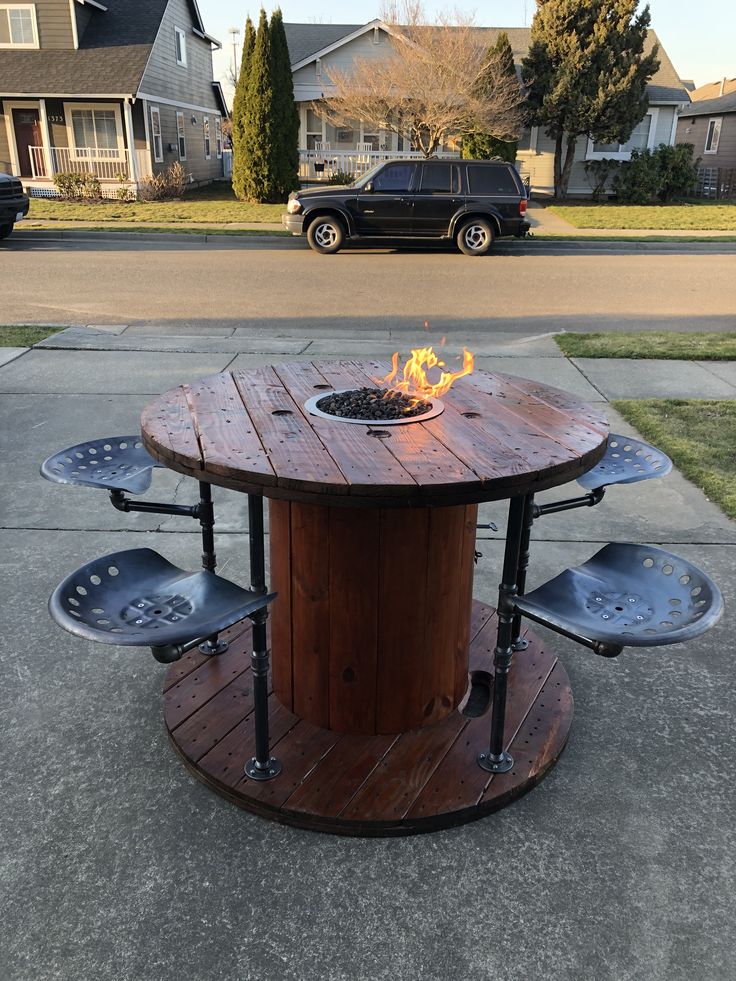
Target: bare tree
pixel 428 86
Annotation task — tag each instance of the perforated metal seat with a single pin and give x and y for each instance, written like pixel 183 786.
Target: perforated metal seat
pixel 111 462
pixel 627 596
pixel 626 461
pixel 137 598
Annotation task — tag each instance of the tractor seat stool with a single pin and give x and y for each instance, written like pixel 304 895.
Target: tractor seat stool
pixel 114 462
pixel 627 596
pixel 626 461
pixel 137 598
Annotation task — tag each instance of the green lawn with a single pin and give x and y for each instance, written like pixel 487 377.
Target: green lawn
pixel 668 345
pixel 703 217
pixel 700 436
pixel 214 203
pixel 25 336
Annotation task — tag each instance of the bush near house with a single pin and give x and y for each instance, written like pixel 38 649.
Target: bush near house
pixel 74 187
pixel 664 173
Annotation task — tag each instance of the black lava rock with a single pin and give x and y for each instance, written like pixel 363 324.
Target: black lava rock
pixel 378 404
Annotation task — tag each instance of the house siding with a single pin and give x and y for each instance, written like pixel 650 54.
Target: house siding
pixel 54 24
pixel 165 79
pixel 196 163
pixel 694 129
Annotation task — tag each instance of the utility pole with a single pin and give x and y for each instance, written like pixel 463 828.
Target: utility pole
pixel 234 33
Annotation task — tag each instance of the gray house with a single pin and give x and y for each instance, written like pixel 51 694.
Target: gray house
pixel 709 123
pixel 314 48
pixel 119 89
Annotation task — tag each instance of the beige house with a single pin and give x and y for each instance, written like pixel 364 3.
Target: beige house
pixel 119 90
pixel 314 48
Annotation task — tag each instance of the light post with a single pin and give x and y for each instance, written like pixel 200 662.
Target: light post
pixel 234 33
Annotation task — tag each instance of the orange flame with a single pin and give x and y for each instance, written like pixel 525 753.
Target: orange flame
pixel 415 381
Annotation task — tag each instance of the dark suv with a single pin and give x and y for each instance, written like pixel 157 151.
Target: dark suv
pixel 470 202
pixel 13 203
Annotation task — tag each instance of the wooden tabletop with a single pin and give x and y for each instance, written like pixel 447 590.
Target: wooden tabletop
pixel 498 436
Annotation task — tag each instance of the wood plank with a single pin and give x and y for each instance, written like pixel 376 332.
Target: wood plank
pixel 167 429
pixel 528 673
pixel 339 775
pixel 279 532
pixel 365 462
pixel 571 405
pixel 429 462
pixel 190 694
pixel 402 614
pixel 206 727
pixel 239 633
pixel 310 612
pixel 226 434
pixel 296 453
pixel 354 543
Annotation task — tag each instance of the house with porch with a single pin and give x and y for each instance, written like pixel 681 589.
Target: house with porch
pixel 314 48
pixel 119 90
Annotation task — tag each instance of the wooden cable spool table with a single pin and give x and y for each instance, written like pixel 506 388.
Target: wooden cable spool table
pixel 374 634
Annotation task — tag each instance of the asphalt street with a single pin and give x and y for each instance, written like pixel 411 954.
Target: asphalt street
pixel 524 287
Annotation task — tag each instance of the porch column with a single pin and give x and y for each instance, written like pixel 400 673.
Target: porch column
pixel 128 116
pixel 47 155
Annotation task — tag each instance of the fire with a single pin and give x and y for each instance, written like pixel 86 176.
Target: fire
pixel 414 379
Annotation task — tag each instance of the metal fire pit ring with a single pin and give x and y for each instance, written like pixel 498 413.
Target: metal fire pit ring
pixel 437 408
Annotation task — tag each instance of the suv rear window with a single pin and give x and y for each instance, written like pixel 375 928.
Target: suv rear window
pixel 437 178
pixel 491 180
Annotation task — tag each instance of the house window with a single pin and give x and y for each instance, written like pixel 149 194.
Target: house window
pixel 18 27
pixel 158 146
pixel 181 136
pixel 314 129
pixel 207 141
pixel 713 135
pixel 95 132
pixel 180 40
pixel 642 136
pixel 218 137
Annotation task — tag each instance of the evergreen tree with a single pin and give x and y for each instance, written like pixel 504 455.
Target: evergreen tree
pixel 483 146
pixel 240 164
pixel 285 146
pixel 258 178
pixel 586 74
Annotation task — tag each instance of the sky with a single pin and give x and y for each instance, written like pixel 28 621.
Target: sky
pixel 700 38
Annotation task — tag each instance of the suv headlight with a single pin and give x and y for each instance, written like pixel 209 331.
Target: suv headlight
pixel 294 206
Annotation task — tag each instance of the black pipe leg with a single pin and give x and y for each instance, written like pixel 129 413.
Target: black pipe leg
pixel 262 766
pixel 518 643
pixel 495 760
pixel 213 645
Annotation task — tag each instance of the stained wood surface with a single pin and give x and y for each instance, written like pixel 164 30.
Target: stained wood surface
pixel 498 436
pixel 369 785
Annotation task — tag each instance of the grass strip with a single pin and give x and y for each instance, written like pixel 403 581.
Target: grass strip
pixel 664 345
pixel 699 435
pixel 25 335
pixel 705 217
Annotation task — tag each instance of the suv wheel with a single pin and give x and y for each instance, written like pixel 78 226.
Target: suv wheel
pixel 5 230
pixel 475 237
pixel 326 234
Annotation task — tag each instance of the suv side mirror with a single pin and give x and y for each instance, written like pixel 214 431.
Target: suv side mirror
pixel 367 188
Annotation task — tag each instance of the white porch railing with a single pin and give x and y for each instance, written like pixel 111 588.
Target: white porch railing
pixel 107 165
pixel 316 164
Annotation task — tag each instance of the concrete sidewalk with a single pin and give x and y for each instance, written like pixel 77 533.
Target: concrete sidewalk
pixel 118 865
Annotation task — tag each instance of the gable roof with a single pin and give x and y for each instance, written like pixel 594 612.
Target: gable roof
pixel 712 107
pixel 713 90
pixel 111 58
pixel 308 41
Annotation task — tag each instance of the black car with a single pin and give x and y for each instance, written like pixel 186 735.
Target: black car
pixel 470 202
pixel 13 203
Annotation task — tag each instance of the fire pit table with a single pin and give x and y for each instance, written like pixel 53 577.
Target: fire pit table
pixel 382 661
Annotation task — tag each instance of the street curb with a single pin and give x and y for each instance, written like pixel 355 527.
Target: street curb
pixel 111 235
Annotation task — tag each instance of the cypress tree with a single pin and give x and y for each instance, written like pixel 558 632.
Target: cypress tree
pixel 239 102
pixel 586 74
pixel 483 146
pixel 258 178
pixel 285 146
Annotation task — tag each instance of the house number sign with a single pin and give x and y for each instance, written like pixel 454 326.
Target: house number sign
pixel 56 119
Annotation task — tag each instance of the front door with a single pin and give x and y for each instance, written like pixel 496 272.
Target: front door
pixel 387 208
pixel 27 128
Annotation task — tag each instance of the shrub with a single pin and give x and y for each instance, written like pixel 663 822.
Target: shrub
pixel 341 177
pixel 598 172
pixel 165 186
pixel 664 173
pixel 73 187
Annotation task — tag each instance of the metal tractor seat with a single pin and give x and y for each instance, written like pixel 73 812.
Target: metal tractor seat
pixel 627 461
pixel 137 598
pixel 627 596
pixel 114 462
